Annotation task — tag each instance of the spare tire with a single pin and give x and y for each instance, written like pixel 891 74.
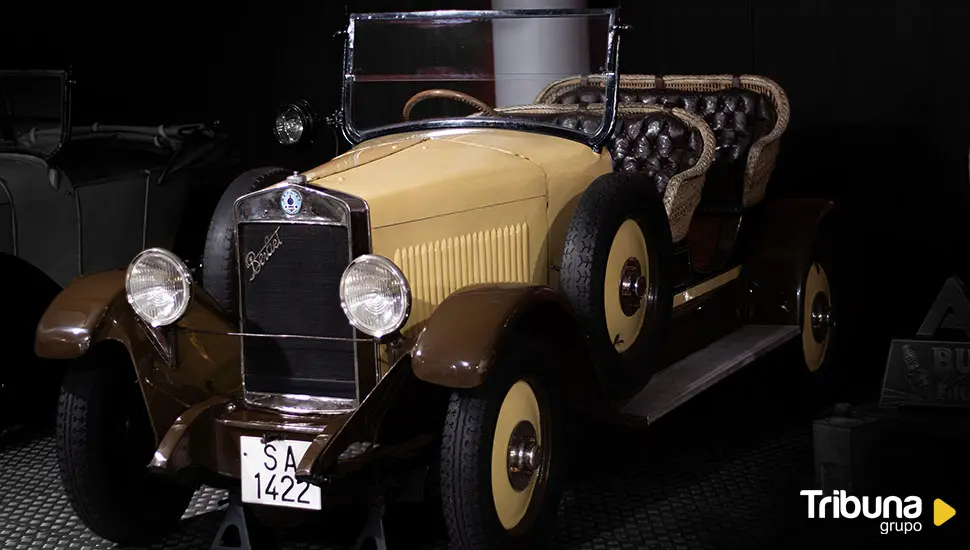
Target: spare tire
pixel 616 274
pixel 219 276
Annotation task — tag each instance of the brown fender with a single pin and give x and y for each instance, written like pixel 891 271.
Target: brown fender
pixel 72 320
pixel 460 343
pixel 177 366
pixel 778 258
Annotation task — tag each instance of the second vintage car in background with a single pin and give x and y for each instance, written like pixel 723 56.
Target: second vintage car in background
pixel 78 196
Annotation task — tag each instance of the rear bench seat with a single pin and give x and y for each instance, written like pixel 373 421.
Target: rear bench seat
pixel 747 115
pixel 672 147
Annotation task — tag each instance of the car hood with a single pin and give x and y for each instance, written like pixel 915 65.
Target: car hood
pixel 423 175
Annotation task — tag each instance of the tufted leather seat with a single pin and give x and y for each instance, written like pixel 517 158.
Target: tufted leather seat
pixel 738 115
pixel 658 144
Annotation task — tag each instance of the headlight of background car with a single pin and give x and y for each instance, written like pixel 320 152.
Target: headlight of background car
pixel 294 123
pixel 159 286
pixel 375 295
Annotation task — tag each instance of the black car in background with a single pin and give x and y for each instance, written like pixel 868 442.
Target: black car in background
pixel 79 196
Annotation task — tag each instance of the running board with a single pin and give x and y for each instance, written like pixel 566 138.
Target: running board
pixel 693 374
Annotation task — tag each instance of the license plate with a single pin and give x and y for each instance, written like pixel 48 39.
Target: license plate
pixel 269 474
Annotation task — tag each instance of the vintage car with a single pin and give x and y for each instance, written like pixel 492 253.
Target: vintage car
pixel 77 196
pixel 446 301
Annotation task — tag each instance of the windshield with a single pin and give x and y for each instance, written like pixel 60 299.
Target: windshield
pixel 450 69
pixel 32 111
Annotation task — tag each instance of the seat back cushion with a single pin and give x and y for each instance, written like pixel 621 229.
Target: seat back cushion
pixel 737 116
pixel 657 144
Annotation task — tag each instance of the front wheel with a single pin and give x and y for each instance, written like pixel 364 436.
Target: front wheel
pixel 104 443
pixel 617 277
pixel 501 462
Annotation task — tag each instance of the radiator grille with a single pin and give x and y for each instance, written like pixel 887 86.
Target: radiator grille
pixel 437 269
pixel 295 292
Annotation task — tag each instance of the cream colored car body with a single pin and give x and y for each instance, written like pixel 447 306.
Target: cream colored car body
pixel 459 207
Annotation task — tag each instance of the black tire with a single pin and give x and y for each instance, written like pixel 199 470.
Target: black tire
pixel 471 519
pixel 607 203
pixel 219 276
pixel 104 442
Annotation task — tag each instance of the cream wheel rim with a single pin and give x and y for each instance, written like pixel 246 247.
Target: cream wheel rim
pixel 627 281
pixel 816 305
pixel 519 409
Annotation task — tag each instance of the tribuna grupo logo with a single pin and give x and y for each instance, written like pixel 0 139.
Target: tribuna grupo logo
pixel 898 513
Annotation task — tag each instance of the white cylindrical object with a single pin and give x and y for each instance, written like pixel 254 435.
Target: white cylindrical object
pixel 530 53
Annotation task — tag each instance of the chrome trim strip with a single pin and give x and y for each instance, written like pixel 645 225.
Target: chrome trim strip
pixel 327 208
pixel 253 335
pixel 596 141
pixel 706 287
pixel 299 428
pixel 482 14
pixel 300 404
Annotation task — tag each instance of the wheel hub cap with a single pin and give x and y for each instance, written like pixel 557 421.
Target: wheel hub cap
pixel 525 455
pixel 822 318
pixel 633 287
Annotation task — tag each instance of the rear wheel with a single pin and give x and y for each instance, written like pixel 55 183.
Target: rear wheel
pixel 502 457
pixel 104 443
pixel 818 319
pixel 825 319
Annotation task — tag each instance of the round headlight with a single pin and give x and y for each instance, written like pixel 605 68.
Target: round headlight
pixel 375 295
pixel 159 286
pixel 294 123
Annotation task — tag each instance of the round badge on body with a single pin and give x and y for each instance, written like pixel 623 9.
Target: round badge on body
pixel 291 201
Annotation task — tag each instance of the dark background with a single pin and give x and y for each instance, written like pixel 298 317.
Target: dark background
pixel 877 91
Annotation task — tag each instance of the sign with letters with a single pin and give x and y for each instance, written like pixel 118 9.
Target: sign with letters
pixel 934 368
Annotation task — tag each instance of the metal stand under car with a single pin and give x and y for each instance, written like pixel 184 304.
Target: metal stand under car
pixel 234 532
pixel 913 438
pixel 372 536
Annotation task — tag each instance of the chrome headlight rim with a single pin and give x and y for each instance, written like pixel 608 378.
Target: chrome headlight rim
pixel 185 275
pixel 397 273
pixel 307 119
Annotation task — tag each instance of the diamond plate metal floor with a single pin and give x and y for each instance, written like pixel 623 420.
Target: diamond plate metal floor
pixel 724 471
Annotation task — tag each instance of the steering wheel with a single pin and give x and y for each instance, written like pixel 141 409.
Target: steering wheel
pixel 482 107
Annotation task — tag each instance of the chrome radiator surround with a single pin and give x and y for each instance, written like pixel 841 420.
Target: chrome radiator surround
pixel 319 207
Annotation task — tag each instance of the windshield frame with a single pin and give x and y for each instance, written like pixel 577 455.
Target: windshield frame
pixel 65 78
pixel 595 141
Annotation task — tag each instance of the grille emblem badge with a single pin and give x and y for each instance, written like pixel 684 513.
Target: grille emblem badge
pixel 291 201
pixel 256 260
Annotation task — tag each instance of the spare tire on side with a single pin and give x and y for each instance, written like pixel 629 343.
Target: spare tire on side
pixel 616 274
pixel 219 275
